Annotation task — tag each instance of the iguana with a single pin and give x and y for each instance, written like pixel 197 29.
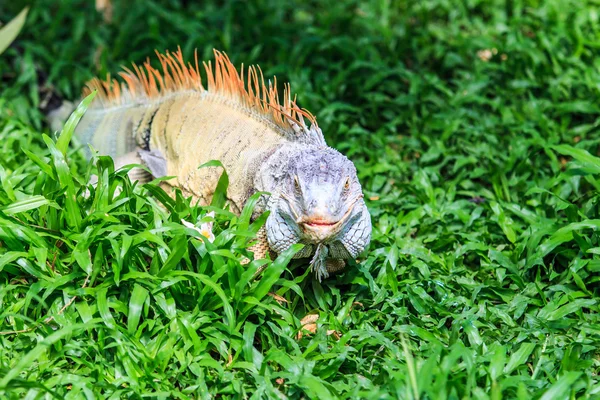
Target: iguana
pixel 172 123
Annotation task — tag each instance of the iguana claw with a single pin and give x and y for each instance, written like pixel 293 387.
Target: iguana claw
pixel 318 264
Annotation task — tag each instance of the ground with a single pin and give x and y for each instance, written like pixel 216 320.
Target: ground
pixel 474 129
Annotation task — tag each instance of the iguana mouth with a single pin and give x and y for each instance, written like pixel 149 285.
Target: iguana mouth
pixel 320 228
pixel 323 225
pixel 319 222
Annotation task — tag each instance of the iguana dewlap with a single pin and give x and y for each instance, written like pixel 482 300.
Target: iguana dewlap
pixel 172 123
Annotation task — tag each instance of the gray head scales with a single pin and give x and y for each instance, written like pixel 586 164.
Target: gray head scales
pixel 318 202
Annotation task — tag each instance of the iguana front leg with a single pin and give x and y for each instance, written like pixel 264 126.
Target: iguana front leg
pixel 322 265
pixel 261 248
pixel 135 174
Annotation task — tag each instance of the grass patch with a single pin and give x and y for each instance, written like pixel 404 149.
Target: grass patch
pixel 474 129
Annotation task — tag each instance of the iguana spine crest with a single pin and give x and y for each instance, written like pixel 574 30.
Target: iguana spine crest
pixel 145 83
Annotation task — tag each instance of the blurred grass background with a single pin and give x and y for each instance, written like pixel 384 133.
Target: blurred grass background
pixel 474 128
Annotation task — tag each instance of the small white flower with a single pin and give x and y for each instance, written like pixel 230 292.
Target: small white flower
pixel 205 228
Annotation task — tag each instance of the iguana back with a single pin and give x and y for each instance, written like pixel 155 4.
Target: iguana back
pixel 238 123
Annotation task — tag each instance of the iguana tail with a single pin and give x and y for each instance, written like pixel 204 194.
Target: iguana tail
pixel 112 131
pixel 108 130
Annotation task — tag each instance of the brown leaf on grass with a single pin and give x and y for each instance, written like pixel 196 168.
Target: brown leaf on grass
pixel 563 162
pixel 277 297
pixel 307 329
pixel 358 303
pixel 309 319
pixel 337 335
pixel 309 325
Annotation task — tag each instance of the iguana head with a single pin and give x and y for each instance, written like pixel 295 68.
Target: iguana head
pixel 319 202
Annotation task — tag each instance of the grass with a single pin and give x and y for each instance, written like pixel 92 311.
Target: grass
pixel 474 128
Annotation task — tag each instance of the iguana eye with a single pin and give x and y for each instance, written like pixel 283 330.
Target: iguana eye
pixel 347 184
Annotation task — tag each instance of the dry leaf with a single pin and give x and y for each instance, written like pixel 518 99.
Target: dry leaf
pixel 277 297
pixel 332 332
pixel 309 325
pixel 308 328
pixel 309 319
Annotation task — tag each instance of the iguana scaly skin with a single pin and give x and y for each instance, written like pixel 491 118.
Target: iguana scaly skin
pixel 169 121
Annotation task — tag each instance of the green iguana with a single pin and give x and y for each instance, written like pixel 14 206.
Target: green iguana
pixel 171 123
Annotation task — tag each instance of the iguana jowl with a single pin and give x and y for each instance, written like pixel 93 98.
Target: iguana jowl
pixel 172 123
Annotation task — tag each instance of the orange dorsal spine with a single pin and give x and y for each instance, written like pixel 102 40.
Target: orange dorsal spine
pixel 147 83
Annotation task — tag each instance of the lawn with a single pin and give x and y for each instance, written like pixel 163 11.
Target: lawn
pixel 474 127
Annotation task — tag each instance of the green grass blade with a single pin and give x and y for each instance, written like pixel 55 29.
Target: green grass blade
pixel 220 195
pixel 136 303
pixel 28 204
pixel 10 31
pixel 40 348
pixel 560 389
pixel 583 156
pixel 519 357
pixel 62 143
